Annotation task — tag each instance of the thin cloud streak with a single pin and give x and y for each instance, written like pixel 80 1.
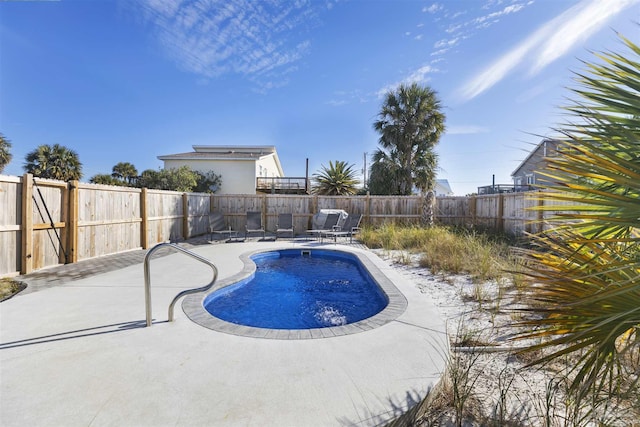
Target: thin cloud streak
pixel 210 38
pixel 554 39
pixel 499 69
pixel 418 76
pixel 587 19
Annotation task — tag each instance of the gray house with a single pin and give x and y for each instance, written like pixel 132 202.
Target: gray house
pixel 527 174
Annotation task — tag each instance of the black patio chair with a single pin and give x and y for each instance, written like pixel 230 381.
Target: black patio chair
pixel 217 225
pixel 285 224
pixel 350 227
pixel 254 224
pixel 329 224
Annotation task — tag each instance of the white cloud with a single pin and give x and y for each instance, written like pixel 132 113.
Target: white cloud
pixel 453 28
pixel 446 44
pixel 439 52
pixel 549 42
pixel 418 37
pixel 213 37
pixel 418 76
pixel 578 24
pixel 435 7
pixel 513 8
pixel 499 69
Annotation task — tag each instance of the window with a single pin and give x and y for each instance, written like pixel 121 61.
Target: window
pixel 530 179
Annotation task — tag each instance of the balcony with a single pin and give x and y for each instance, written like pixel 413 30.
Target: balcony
pixel 293 185
pixel 503 188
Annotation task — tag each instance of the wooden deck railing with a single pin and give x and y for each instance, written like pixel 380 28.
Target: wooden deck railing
pixel 283 185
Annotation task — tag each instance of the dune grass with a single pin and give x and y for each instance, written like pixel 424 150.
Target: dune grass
pixel 447 250
pixel 458 399
pixel 9 287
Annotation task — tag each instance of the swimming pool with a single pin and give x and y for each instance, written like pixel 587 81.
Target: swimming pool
pixel 300 289
pixel 375 302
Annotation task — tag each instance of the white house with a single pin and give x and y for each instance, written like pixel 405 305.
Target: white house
pixel 239 166
pixel 442 188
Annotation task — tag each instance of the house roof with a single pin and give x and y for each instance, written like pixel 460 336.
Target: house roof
pixel 227 152
pixel 444 185
pixel 532 153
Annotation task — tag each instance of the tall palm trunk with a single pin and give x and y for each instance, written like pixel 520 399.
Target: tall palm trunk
pixel 428 204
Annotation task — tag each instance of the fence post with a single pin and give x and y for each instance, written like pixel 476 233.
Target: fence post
pixel 185 215
pixel 72 234
pixel 473 210
pixel 367 212
pixel 500 214
pixel 144 236
pixel 26 253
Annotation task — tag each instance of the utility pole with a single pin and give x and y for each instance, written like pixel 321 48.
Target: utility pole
pixel 364 171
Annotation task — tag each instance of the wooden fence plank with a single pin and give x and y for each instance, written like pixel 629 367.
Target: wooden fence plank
pixel 144 238
pixel 10 229
pixel 27 224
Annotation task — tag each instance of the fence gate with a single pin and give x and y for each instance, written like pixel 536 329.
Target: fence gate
pixel 44 223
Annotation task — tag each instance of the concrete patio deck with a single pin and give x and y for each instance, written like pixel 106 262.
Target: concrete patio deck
pixel 78 354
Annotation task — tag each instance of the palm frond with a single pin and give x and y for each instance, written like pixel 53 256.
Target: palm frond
pixel 586 267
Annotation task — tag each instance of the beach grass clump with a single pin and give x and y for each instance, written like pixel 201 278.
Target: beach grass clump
pixel 446 250
pixel 9 287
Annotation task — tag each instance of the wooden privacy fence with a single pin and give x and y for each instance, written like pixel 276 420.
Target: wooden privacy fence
pixel 45 222
pixel 505 212
pixel 375 209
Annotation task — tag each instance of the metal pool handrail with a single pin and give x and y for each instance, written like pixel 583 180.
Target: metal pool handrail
pixel 147 279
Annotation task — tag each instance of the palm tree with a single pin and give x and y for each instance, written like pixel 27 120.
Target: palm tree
pixel 586 270
pixel 125 171
pixel 410 125
pixel 336 180
pixel 53 162
pixel 384 174
pixel 105 179
pixel 5 155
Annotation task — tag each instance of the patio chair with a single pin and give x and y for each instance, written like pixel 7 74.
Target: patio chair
pixel 329 225
pixel 254 224
pixel 350 227
pixel 217 226
pixel 285 224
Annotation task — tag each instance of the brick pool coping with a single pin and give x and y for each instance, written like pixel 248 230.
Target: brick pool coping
pixel 193 305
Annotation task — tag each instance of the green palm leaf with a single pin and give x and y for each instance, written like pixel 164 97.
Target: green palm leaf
pixel 586 266
pixel 336 180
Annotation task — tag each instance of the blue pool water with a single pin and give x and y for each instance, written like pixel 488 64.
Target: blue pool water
pixel 294 291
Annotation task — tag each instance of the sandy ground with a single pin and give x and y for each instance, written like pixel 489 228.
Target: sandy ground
pixel 492 375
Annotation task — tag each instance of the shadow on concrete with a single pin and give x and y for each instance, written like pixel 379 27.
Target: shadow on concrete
pixel 80 333
pixel 400 413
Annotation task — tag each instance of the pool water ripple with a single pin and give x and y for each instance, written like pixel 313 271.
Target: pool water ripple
pixel 291 291
pixel 362 308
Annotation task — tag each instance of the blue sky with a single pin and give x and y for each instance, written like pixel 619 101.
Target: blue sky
pixel 128 81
